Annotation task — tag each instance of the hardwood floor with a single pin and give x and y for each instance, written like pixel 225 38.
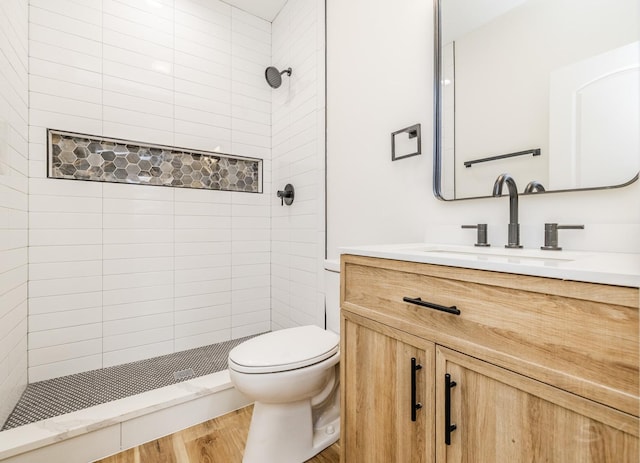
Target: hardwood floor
pixel 220 440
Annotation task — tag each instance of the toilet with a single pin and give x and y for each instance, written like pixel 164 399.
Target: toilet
pixel 293 377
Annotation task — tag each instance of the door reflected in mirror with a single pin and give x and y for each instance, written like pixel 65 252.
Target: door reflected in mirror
pixel 546 90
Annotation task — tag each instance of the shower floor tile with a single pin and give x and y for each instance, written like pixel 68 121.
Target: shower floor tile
pixel 66 394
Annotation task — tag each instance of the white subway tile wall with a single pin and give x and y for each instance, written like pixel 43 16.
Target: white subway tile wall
pixel 203 268
pixel 251 255
pixel 125 272
pixel 297 253
pixel 129 292
pixel 14 141
pixel 65 288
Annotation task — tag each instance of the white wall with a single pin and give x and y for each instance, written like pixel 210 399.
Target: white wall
pixel 380 78
pixel 125 272
pixel 13 202
pixel 298 158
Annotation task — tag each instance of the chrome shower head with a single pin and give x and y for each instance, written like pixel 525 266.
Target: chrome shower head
pixel 274 77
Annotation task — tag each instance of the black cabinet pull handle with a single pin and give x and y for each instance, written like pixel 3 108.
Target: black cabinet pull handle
pixel 415 406
pixel 417 301
pixel 448 427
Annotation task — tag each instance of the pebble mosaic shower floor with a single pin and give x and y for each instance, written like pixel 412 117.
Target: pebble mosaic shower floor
pixel 66 394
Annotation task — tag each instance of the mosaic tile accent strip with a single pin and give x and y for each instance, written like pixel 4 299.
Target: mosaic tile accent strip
pixel 66 394
pixel 86 157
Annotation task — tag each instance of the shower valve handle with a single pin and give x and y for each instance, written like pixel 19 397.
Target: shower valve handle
pixel 286 196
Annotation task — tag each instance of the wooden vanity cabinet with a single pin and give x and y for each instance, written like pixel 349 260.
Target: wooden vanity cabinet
pixel 538 370
pixel 388 418
pixel 501 416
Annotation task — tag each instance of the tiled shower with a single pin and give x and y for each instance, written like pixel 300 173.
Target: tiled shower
pixel 122 272
pixel 14 171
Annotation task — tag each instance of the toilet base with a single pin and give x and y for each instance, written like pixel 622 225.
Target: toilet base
pixel 293 439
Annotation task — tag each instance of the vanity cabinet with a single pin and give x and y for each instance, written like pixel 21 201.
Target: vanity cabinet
pixel 501 416
pixel 537 369
pixel 385 423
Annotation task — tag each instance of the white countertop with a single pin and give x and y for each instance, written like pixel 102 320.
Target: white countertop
pixel 619 269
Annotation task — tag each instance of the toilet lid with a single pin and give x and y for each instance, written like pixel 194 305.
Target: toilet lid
pixel 284 350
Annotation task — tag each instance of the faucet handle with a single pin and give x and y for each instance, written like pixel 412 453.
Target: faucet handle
pixel 551 235
pixel 482 234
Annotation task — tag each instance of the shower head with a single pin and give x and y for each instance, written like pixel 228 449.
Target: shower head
pixel 274 77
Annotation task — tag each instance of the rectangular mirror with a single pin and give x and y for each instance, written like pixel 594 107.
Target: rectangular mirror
pixel 545 90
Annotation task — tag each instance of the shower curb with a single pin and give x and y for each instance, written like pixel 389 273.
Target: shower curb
pixel 102 430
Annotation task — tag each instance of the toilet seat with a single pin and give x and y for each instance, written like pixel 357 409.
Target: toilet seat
pixel 284 350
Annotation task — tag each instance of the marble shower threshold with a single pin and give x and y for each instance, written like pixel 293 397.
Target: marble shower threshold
pixel 66 394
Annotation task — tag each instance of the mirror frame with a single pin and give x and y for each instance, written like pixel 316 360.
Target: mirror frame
pixel 437 125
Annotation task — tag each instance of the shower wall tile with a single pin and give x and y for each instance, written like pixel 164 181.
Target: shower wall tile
pixel 58 286
pixel 191 342
pixel 62 204
pixel 67 270
pixel 135 353
pixel 82 57
pixel 122 272
pixel 63 352
pixel 50 254
pixel 251 255
pixel 130 21
pixel 250 97
pixel 65 266
pixel 131 290
pixel 137 280
pixel 203 75
pixel 13 345
pixel 134 60
pixel 251 329
pixel 143 309
pixel 203 285
pixel 60 336
pixel 63 72
pixel 65 53
pixel 144 338
pixel 140 323
pixel 63 303
pixel 64 367
pixel 187 334
pixel 84 12
pixel 298 158
pixel 46 321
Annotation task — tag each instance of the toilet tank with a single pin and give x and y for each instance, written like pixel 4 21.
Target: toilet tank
pixel 332 294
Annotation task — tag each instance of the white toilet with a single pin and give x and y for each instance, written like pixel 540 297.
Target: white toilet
pixel 293 377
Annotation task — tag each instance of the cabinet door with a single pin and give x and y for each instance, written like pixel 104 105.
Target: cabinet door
pixel 501 416
pixel 376 391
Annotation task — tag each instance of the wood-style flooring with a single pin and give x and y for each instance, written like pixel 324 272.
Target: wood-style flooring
pixel 220 440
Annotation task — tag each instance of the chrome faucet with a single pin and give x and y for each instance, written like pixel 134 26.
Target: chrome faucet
pixel 514 226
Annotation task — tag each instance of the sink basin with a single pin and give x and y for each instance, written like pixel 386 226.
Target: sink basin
pixel 530 256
